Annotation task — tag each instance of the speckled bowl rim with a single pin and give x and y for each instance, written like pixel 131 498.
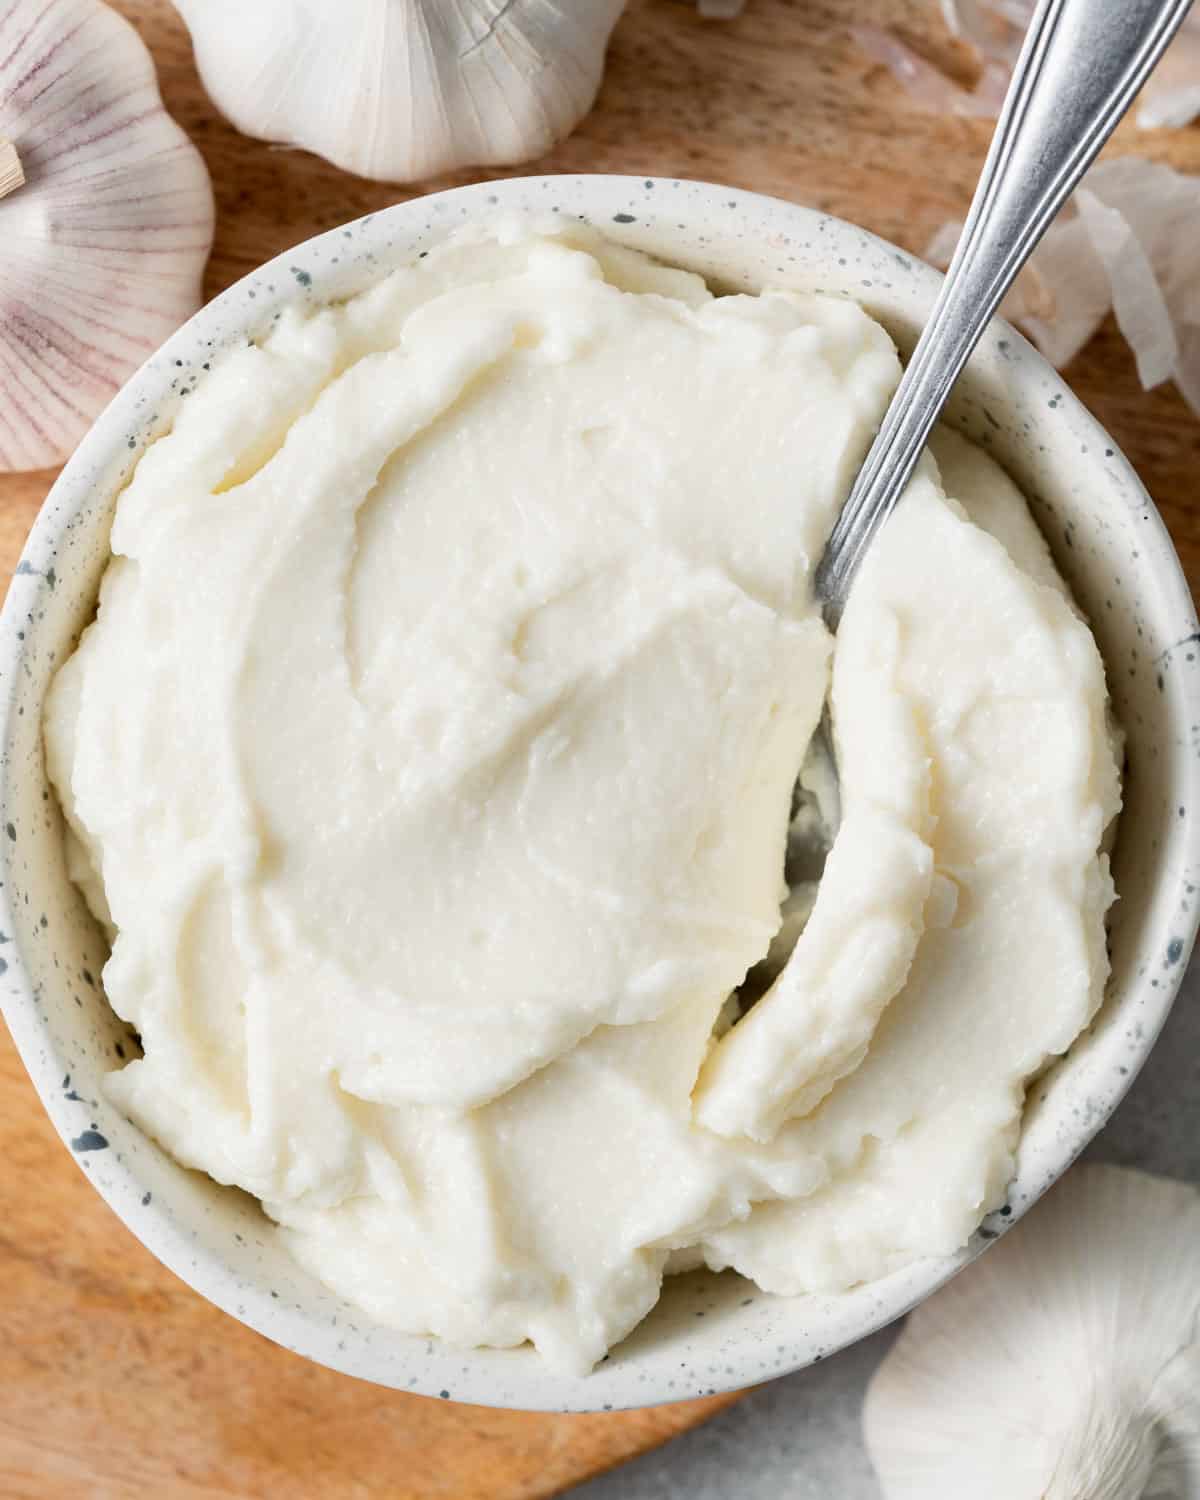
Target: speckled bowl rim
pixel 731 1351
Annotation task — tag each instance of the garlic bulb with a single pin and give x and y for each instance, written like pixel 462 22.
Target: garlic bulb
pixel 106 218
pixel 1065 1365
pixel 403 89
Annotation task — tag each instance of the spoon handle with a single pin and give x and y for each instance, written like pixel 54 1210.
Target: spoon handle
pixel 1080 66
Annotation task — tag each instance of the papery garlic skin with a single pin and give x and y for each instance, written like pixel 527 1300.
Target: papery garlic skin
pixel 404 89
pixel 995 30
pixel 1124 244
pixel 1063 1365
pixel 1171 99
pixel 434 751
pixel 105 243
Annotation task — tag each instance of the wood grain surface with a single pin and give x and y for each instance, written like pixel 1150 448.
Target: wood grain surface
pixel 116 1380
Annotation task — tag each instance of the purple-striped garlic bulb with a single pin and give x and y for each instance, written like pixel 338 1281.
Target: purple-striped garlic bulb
pixel 106 221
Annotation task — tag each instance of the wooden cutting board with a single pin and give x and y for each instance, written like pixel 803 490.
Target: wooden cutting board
pixel 117 1381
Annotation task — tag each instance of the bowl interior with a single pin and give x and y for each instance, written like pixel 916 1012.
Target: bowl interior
pixel 708 1333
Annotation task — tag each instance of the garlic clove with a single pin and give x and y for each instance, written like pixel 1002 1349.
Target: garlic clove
pixel 1064 1365
pixel 106 220
pixel 404 89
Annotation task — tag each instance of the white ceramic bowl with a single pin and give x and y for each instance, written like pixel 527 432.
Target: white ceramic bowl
pixel 709 1333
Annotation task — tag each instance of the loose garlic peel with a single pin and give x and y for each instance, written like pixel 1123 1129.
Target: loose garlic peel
pixel 1065 1365
pixel 993 31
pixel 1124 245
pixel 404 89
pixel 106 216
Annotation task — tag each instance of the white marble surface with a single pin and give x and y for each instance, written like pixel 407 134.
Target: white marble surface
pixel 798 1438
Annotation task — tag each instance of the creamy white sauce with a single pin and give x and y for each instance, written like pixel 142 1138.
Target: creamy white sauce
pixel 430 764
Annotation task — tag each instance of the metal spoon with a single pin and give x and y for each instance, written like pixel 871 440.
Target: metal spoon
pixel 1080 66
